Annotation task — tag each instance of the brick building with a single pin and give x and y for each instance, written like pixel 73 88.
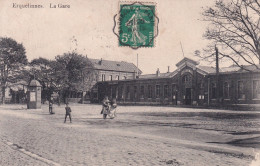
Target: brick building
pixel 189 84
pixel 112 70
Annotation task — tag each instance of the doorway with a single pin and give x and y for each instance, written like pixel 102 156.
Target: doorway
pixel 188 96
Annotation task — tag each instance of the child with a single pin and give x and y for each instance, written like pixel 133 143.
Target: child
pixel 105 108
pixel 68 112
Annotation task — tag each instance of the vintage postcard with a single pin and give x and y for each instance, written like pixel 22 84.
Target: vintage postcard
pixel 125 82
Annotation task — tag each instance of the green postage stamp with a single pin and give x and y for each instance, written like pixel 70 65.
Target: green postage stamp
pixel 137 25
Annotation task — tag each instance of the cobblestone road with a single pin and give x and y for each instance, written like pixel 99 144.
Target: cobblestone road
pixel 140 135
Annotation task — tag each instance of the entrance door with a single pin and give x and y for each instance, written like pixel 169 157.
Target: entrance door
pixel 188 96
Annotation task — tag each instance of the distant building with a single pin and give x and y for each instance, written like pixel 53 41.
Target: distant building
pixel 114 70
pixel 107 71
pixel 15 93
pixel 189 84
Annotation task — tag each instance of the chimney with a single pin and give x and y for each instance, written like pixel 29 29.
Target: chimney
pixel 168 69
pixel 100 62
pixel 158 72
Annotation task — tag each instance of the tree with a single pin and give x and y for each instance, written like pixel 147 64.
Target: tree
pixel 235 29
pixel 12 60
pixel 41 69
pixel 73 72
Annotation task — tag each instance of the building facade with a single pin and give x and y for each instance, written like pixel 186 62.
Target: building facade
pixel 114 70
pixel 111 71
pixel 189 84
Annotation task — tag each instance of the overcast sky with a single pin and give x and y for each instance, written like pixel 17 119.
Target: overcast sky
pixel 48 32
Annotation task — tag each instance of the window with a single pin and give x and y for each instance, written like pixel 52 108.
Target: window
pixel 174 88
pixel 241 90
pixel 213 91
pixel 256 89
pixel 201 97
pixel 125 77
pixel 116 93
pixel 166 91
pixel 174 91
pixel 157 91
pixel 117 77
pixel 226 90
pixel 142 92
pixel 201 85
pixel 110 92
pixel 103 77
pixel 111 78
pixel 128 92
pixel 122 92
pixel 150 91
pixel 135 92
pixel 186 79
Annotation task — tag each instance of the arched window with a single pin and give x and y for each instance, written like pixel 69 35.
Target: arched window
pixel 226 90
pixel 186 78
pixel 213 90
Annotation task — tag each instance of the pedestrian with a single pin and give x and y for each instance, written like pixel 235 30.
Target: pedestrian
pixel 105 107
pixel 68 112
pixel 51 106
pixel 112 110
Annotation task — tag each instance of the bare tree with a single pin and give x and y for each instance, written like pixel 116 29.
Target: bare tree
pixel 235 29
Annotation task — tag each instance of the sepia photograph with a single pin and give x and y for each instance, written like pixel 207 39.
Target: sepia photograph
pixel 129 83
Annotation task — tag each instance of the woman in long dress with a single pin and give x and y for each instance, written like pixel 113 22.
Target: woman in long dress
pixel 113 109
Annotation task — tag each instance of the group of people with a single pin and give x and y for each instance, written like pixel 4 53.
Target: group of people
pixel 109 108
pixel 67 109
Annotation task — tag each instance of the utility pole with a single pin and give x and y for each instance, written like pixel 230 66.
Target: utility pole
pixel 137 67
pixel 258 48
pixel 217 75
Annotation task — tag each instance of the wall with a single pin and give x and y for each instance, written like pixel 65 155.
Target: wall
pixel 199 89
pixel 121 75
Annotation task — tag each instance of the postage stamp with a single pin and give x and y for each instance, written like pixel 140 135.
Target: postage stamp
pixel 138 25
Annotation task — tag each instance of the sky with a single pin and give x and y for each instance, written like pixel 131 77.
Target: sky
pixel 47 32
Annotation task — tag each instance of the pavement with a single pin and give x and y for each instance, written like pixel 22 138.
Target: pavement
pixel 139 135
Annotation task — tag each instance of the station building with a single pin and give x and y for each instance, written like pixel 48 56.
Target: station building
pixel 189 84
pixel 106 70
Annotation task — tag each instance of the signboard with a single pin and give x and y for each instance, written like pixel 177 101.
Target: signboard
pixel 32 96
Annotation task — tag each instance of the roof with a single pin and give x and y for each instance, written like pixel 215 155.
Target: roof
pixel 151 76
pixel 207 69
pixel 230 69
pixel 122 66
pixel 18 85
pixel 34 83
pixel 187 60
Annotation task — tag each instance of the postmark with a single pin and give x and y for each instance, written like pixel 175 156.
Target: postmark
pixel 137 24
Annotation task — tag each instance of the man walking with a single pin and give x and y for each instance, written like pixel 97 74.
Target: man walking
pixel 68 112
